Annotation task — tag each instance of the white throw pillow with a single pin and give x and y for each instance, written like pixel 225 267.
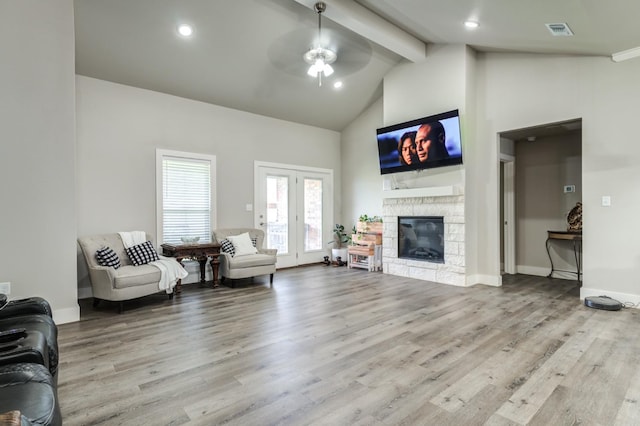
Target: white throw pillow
pixel 242 244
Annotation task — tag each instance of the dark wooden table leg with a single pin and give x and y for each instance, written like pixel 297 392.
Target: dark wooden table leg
pixel 547 245
pixel 202 260
pixel 215 265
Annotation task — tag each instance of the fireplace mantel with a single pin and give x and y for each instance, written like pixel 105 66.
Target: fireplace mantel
pixel 431 191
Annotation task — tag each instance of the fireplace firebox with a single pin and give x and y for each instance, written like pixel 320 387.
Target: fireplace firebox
pixel 421 238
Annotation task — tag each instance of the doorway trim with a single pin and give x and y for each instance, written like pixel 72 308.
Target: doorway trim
pixel 509 212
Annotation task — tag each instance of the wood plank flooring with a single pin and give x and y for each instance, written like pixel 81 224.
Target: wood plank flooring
pixel 338 346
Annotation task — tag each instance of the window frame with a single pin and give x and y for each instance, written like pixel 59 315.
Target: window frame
pixel 166 153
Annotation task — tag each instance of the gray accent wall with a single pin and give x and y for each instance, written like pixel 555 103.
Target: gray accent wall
pixel 543 168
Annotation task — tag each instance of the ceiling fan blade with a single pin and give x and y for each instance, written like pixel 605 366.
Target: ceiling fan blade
pixel 353 51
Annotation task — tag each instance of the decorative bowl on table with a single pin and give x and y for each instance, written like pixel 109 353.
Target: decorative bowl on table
pixel 190 240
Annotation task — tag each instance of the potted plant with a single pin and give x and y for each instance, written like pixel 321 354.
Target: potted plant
pixel 340 241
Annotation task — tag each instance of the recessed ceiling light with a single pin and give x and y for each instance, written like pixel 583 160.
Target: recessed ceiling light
pixel 337 85
pixel 471 24
pixel 185 30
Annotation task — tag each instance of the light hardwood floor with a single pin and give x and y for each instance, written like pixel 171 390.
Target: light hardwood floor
pixel 338 346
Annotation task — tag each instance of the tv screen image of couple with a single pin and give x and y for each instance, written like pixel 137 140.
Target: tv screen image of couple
pixel 424 143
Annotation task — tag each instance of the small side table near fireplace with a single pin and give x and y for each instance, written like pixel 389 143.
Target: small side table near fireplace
pixel 200 252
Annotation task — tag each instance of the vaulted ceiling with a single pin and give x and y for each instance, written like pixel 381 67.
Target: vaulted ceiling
pixel 247 54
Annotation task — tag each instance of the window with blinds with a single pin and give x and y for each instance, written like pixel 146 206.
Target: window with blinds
pixel 186 196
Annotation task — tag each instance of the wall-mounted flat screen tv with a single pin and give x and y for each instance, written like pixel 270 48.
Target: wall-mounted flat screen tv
pixel 425 143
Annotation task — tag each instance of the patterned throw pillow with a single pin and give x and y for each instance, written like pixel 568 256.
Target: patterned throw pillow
pixel 107 257
pixel 227 247
pixel 242 244
pixel 142 253
pixel 254 241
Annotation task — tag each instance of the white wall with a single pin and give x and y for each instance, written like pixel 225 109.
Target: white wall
pixel 37 161
pixel 517 91
pixel 362 181
pixel 412 91
pixel 120 127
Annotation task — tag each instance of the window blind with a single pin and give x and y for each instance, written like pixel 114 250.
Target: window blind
pixel 186 199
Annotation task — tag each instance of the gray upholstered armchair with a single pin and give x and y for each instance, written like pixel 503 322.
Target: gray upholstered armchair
pixel 234 267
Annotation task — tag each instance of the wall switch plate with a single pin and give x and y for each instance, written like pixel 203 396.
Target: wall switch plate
pixel 249 207
pixel 5 288
pixel 606 200
pixel 569 188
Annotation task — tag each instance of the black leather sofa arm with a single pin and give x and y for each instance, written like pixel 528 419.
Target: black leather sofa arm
pixel 28 306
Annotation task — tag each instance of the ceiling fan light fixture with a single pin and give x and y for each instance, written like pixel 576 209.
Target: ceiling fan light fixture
pixel 320 58
pixel 327 70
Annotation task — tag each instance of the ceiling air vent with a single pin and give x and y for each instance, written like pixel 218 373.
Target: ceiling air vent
pixel 561 29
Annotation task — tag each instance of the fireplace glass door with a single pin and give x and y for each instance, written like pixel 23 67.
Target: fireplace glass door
pixel 421 238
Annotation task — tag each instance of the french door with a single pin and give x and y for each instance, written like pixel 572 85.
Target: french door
pixel 294 208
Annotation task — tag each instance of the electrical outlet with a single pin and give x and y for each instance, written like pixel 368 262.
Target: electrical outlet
pixel 569 188
pixel 5 288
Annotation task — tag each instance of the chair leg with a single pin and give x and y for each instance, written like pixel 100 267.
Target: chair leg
pixel 96 301
pixel 120 307
pixel 271 281
pixel 171 296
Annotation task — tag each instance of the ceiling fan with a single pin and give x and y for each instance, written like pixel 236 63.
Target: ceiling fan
pixel 296 52
pixel 320 58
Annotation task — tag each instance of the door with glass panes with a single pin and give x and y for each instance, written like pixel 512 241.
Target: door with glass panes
pixel 293 208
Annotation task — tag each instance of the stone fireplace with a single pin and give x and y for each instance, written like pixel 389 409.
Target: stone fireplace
pixel 423 263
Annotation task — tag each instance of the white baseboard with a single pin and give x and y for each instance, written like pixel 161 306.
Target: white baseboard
pixel 543 272
pixel 492 280
pixel 532 270
pixel 62 316
pixel 624 298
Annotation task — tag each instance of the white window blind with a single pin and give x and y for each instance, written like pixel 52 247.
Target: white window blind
pixel 186 197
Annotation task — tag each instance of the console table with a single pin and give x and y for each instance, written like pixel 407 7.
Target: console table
pixel 575 237
pixel 200 252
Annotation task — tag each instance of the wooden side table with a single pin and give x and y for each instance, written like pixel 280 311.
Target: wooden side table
pixel 200 252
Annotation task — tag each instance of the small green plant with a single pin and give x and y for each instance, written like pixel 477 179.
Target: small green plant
pixel 365 218
pixel 340 238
